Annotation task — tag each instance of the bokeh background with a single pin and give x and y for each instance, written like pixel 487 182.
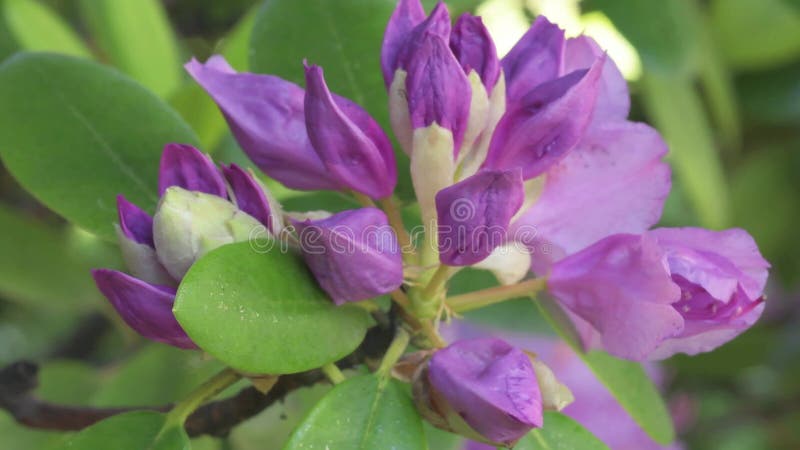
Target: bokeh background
pixel 719 78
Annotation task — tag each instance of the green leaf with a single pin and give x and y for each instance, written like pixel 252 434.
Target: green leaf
pixel 259 310
pixel 130 431
pixel 560 433
pixel 344 37
pixel 756 34
pixel 626 380
pixel 663 32
pixel 137 38
pixel 75 134
pixel 677 111
pixel 35 27
pixel 37 265
pixel 363 413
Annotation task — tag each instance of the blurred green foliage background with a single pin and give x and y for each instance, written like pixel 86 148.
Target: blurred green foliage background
pixel 719 78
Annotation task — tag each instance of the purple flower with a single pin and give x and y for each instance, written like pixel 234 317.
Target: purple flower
pixel 474 214
pixel 484 389
pixel 683 290
pixel 354 255
pixel 195 215
pixel 474 48
pixel 285 130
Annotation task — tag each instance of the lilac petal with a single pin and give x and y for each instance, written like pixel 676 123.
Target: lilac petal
pixel 735 245
pixel 546 124
pixel 144 307
pixel 134 222
pixel 354 255
pixel 187 167
pixel 248 194
pixel 613 100
pixel 491 385
pixel 620 285
pixel 535 59
pixel 437 89
pixel 360 158
pixel 475 50
pixel 406 16
pixel 266 116
pixel 474 214
pixel 614 182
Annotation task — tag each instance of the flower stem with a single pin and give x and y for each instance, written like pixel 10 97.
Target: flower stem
pixel 363 200
pixel 394 352
pixel 436 282
pixel 420 325
pixel 205 392
pixel 333 373
pixel 486 297
pixel 392 211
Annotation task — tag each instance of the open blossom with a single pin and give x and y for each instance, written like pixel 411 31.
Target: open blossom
pixel 354 255
pixel 484 389
pixel 682 290
pixel 306 139
pixel 196 214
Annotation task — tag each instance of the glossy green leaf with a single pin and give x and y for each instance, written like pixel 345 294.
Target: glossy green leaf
pixel 756 34
pixel 38 267
pixel 663 32
pixel 35 27
pixel 677 111
pixel 75 134
pixel 560 433
pixel 363 413
pixel 344 37
pixel 137 38
pixel 130 431
pixel 257 308
pixel 626 380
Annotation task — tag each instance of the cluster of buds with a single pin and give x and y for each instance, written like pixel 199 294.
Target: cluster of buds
pixel 525 164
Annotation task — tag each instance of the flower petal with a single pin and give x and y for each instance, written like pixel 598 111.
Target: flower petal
pixel 613 100
pixel 406 16
pixel 134 222
pixel 266 116
pixel 251 197
pixel 354 254
pixel 144 307
pixel 621 286
pixel 474 48
pixel 535 59
pixel 186 167
pixel 349 142
pixel 437 89
pixel 546 124
pixel 474 214
pixel 614 182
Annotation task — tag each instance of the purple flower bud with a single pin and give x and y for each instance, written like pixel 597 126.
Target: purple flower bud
pixel 266 116
pixel 485 389
pixel 536 58
pixel 251 197
pixel 135 237
pixel 545 125
pixel 144 307
pixel 185 166
pixel 474 214
pixel 683 290
pixel 349 142
pixel 407 15
pixel 437 90
pixel 475 50
pixel 134 222
pixel 354 254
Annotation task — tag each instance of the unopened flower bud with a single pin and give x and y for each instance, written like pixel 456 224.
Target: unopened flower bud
pixel 189 224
